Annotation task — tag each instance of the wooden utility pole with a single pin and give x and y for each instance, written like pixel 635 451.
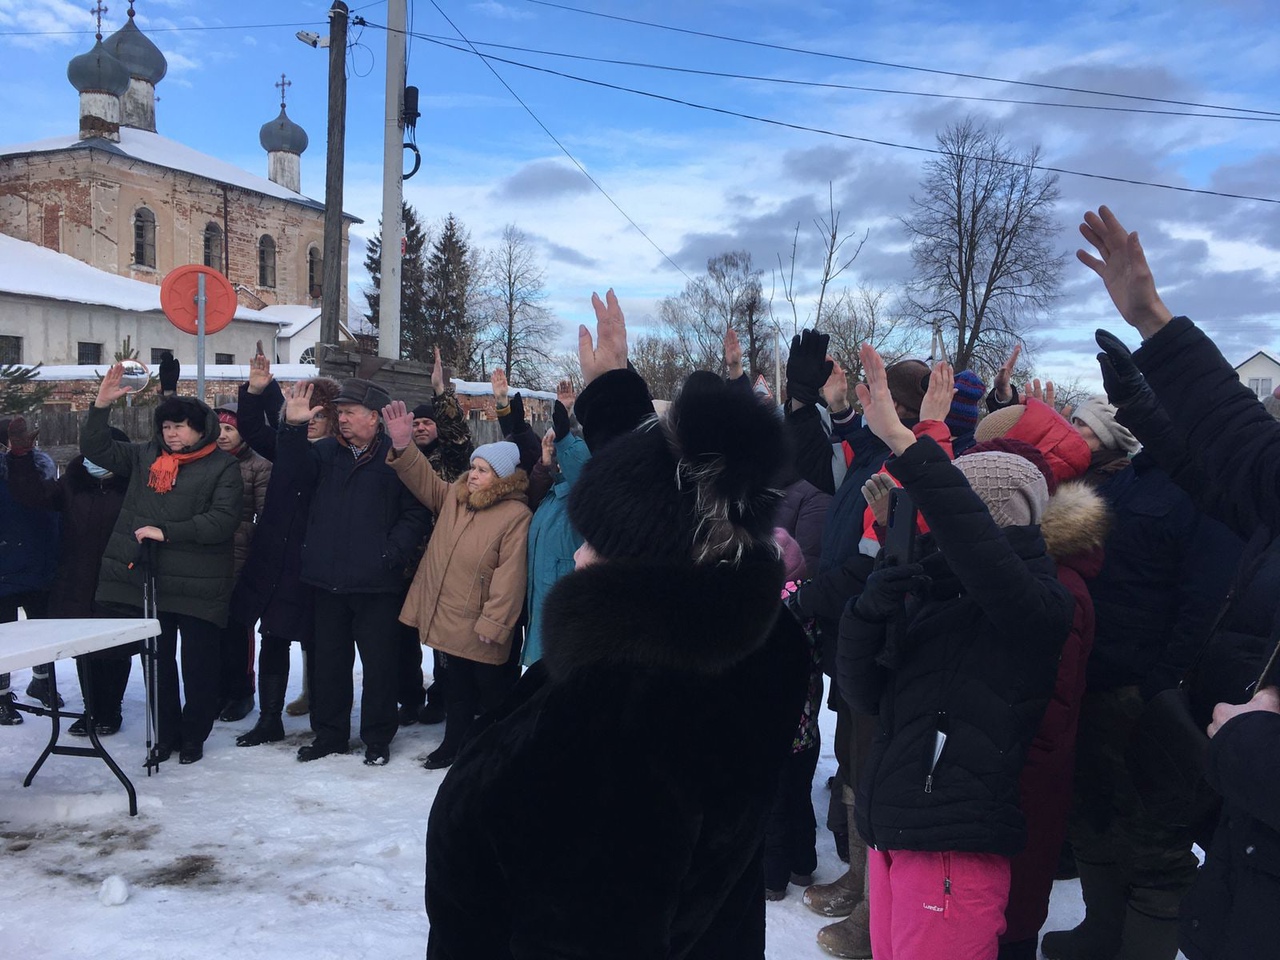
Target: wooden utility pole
pixel 331 302
pixel 392 185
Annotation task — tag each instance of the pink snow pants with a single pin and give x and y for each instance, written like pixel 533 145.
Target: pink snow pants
pixel 936 906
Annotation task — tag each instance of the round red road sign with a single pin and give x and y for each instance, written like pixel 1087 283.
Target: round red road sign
pixel 178 298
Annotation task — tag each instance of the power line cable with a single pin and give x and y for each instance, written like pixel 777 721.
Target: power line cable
pixel 828 85
pixel 554 139
pixel 724 111
pixel 151 29
pixel 896 66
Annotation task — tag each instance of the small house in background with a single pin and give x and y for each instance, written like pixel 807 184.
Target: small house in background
pixel 1260 373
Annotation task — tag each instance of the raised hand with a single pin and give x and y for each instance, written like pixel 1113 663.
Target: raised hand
pixel 110 390
pixel 259 371
pixel 942 390
pixel 549 447
pixel 1004 376
pixel 398 422
pixel 1121 378
pixel 808 367
pixel 297 405
pixel 498 380
pixel 836 390
pixel 876 492
pixel 565 394
pixel 732 353
pixel 437 375
pixel 1044 394
pixel 609 352
pixel 1124 270
pixel 877 404
pixel 170 371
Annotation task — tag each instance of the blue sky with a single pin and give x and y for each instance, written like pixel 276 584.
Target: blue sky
pixel 699 183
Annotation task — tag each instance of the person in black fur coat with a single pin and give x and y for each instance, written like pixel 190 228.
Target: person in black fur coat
pixel 616 805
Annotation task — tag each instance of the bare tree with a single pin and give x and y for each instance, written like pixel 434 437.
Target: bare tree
pixel 981 242
pixel 659 361
pixel 520 329
pixel 865 315
pixel 729 294
pixel 835 261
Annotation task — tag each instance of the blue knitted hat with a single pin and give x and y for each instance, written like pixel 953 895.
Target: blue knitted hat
pixel 503 456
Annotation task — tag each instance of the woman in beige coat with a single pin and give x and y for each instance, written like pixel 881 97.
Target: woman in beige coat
pixel 469 589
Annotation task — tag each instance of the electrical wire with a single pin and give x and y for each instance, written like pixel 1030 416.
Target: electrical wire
pixel 723 111
pixel 826 85
pixel 895 66
pixel 554 139
pixel 150 29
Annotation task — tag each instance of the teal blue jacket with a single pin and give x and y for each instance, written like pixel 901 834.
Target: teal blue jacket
pixel 552 540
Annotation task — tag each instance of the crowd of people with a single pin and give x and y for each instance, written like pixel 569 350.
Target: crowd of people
pixel 631 620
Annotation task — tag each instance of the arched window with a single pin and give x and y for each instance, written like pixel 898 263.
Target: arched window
pixel 144 238
pixel 213 247
pixel 308 356
pixel 315 273
pixel 266 261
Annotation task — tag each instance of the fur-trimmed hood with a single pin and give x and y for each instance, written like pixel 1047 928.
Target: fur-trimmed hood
pixel 1075 527
pixel 683 617
pixel 514 487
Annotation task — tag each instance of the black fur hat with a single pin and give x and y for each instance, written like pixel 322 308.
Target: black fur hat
pixel 695 485
pixel 186 410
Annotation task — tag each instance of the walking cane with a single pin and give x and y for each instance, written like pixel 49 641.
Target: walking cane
pixel 147 559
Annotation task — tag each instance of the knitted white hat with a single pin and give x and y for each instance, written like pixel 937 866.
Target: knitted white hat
pixel 503 456
pixel 1100 417
pixel 1011 486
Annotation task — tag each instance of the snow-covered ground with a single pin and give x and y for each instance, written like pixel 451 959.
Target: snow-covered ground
pixel 250 854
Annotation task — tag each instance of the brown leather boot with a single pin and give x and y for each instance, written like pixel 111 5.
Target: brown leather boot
pixel 851 937
pixel 838 898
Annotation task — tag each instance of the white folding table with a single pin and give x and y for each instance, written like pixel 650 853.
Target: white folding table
pixel 27 643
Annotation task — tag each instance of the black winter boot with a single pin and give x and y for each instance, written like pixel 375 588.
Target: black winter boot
pixel 269 728
pixel 1097 936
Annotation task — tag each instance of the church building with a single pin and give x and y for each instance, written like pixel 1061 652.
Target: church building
pixel 92 222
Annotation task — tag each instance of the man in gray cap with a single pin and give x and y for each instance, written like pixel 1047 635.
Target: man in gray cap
pixel 362 532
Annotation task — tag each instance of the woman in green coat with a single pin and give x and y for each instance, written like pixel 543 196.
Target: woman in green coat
pixel 183 503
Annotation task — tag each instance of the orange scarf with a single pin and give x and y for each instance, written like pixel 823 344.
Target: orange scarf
pixel 164 471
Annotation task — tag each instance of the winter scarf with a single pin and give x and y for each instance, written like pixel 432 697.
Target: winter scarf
pixel 164 471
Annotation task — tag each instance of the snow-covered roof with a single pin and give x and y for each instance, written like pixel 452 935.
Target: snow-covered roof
pixel 469 389
pixel 160 151
pixel 34 271
pixel 212 371
pixel 292 317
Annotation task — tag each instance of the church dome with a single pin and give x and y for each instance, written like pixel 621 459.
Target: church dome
pixel 141 57
pixel 98 72
pixel 282 135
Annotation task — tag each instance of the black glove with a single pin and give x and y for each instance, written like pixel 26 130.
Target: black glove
pixel 882 598
pixel 170 370
pixel 560 421
pixel 808 367
pixel 1121 378
pixel 517 406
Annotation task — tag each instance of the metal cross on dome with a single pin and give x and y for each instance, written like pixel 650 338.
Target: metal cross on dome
pixel 99 9
pixel 283 85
